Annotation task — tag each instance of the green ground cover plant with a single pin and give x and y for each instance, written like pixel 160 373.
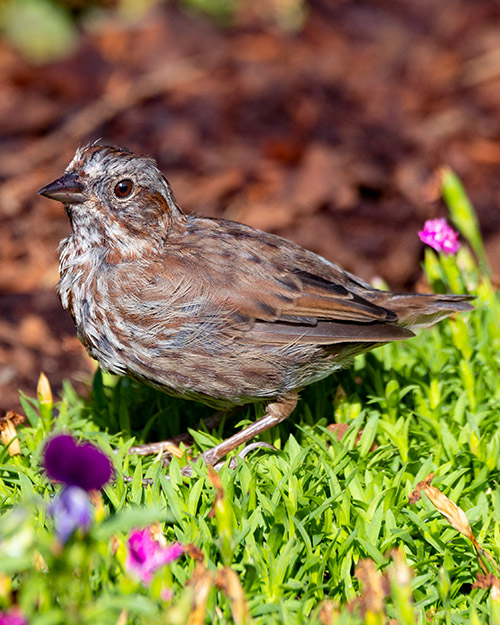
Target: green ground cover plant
pixel 323 530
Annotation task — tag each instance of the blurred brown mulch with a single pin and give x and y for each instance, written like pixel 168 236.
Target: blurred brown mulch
pixel 328 136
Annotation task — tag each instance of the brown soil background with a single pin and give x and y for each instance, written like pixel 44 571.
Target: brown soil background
pixel 329 136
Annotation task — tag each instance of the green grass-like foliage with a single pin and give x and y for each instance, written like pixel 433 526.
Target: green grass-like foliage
pixel 294 524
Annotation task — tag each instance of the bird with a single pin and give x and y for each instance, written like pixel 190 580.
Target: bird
pixel 209 309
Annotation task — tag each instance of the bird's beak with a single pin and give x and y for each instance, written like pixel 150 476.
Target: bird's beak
pixel 66 189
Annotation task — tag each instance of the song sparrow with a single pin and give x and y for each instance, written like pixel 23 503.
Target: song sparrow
pixel 209 309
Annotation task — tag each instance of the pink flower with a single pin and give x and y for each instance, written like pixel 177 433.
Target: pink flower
pixel 12 617
pixel 146 555
pixel 440 236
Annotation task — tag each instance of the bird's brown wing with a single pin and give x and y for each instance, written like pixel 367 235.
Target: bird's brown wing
pixel 279 292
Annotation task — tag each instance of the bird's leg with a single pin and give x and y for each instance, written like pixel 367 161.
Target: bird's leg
pixel 169 446
pixel 276 412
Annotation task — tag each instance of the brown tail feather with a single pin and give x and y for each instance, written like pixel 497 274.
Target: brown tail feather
pixel 419 310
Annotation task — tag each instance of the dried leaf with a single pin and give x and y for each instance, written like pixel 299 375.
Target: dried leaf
pixel 8 432
pixel 401 571
pixel 328 612
pixel 417 493
pixel 194 552
pixel 201 582
pixel 455 516
pixel 495 592
pixel 158 535
pixel 14 417
pixel 173 449
pixel 339 429
pixel 229 582
pixel 214 478
pixel 372 597
pixel 122 618
pixel 414 496
pixel 486 580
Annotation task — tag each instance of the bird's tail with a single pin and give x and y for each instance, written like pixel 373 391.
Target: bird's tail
pixel 419 310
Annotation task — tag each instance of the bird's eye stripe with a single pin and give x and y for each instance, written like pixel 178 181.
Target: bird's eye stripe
pixel 124 188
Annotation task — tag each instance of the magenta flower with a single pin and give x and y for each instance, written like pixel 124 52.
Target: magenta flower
pixel 74 464
pixel 12 617
pixel 440 236
pixel 146 555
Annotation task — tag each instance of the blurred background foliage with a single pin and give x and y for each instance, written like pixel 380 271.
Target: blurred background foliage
pixel 47 30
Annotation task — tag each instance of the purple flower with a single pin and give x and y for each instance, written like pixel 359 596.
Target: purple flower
pixel 70 509
pixel 146 555
pixel 12 617
pixel 440 236
pixel 74 464
pixel 81 468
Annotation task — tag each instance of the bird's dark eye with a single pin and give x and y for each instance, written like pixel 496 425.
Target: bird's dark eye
pixel 124 188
